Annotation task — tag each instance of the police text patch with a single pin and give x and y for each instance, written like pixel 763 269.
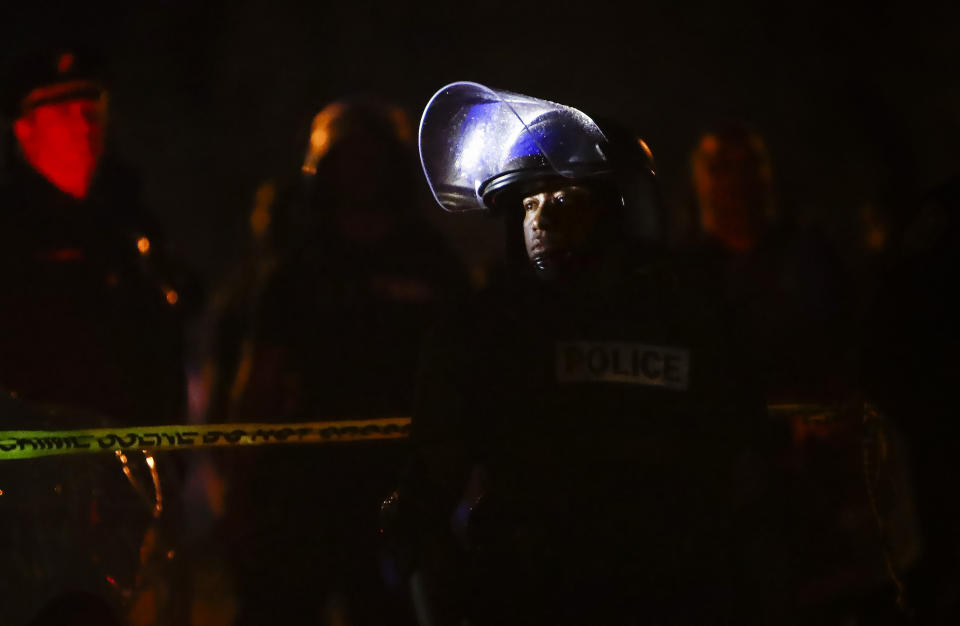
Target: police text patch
pixel 617 362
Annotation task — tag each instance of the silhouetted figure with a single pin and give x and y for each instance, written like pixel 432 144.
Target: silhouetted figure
pixel 91 322
pixel 786 281
pixel 790 291
pixel 326 324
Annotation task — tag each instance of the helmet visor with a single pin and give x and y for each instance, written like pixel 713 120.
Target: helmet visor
pixel 471 134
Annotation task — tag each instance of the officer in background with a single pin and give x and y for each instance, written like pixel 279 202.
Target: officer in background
pixel 589 445
pixel 348 276
pixel 325 323
pixel 786 280
pixel 89 315
pixel 789 287
pixel 90 324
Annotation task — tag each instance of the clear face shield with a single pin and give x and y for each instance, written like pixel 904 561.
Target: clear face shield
pixel 474 139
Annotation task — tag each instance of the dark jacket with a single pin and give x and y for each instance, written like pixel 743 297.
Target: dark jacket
pixel 590 454
pixel 86 319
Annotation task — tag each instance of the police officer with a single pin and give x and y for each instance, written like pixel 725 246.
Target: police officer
pixel 588 446
pixel 791 290
pixel 786 280
pixel 90 317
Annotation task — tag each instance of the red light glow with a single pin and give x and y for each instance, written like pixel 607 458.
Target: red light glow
pixel 63 141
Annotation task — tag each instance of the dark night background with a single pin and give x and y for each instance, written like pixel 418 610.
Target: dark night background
pixel 859 103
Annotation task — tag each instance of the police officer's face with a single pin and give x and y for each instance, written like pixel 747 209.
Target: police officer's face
pixel 732 183
pixel 64 141
pixel 559 221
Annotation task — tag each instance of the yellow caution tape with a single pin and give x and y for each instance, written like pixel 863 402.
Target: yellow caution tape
pixel 26 444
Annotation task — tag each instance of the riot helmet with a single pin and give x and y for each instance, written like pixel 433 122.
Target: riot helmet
pixel 488 150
